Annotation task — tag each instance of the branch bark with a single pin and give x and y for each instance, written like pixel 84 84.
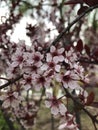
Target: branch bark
pixel 11 82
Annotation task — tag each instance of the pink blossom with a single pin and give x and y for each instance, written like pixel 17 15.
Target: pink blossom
pixel 40 81
pixel 27 114
pixel 17 58
pixel 57 54
pixel 51 64
pixel 70 57
pixel 31 68
pixel 82 95
pixel 10 99
pixel 35 57
pixel 69 79
pixel 27 82
pixel 55 104
pixel 79 70
pixel 12 72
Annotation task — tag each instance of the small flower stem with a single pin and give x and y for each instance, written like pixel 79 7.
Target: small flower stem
pixel 52 122
pixel 61 97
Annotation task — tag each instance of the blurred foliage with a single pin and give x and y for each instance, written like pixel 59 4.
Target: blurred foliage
pixel 25 6
pixel 95 21
pixel 3 124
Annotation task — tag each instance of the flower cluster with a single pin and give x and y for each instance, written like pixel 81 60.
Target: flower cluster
pixel 55 104
pixel 40 71
pixel 27 114
pixel 48 70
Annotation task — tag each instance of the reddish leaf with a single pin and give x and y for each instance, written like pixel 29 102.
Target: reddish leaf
pixel 82 9
pixel 73 2
pixel 87 49
pixel 95 53
pixel 91 2
pixel 90 99
pixel 88 2
pixel 79 46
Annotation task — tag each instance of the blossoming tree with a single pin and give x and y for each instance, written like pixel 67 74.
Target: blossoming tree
pixel 59 64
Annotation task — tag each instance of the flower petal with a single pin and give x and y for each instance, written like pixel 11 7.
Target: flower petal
pixel 54 110
pixel 48 104
pixel 62 109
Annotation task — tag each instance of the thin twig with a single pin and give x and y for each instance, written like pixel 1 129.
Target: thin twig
pixel 41 97
pixel 94 125
pixel 52 122
pixel 4 78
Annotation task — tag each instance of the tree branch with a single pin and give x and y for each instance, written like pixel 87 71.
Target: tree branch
pixel 71 24
pixel 93 117
pixel 11 82
pixel 88 61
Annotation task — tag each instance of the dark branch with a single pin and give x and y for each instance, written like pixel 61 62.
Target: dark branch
pixel 88 61
pixel 11 82
pixel 93 117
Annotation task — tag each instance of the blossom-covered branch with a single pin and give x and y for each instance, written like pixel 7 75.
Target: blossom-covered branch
pixel 72 23
pixel 46 70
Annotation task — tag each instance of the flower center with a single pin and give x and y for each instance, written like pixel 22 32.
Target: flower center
pixel 66 78
pixel 41 80
pixel 36 58
pixel 55 102
pixel 51 64
pixel 28 80
pixel 20 58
